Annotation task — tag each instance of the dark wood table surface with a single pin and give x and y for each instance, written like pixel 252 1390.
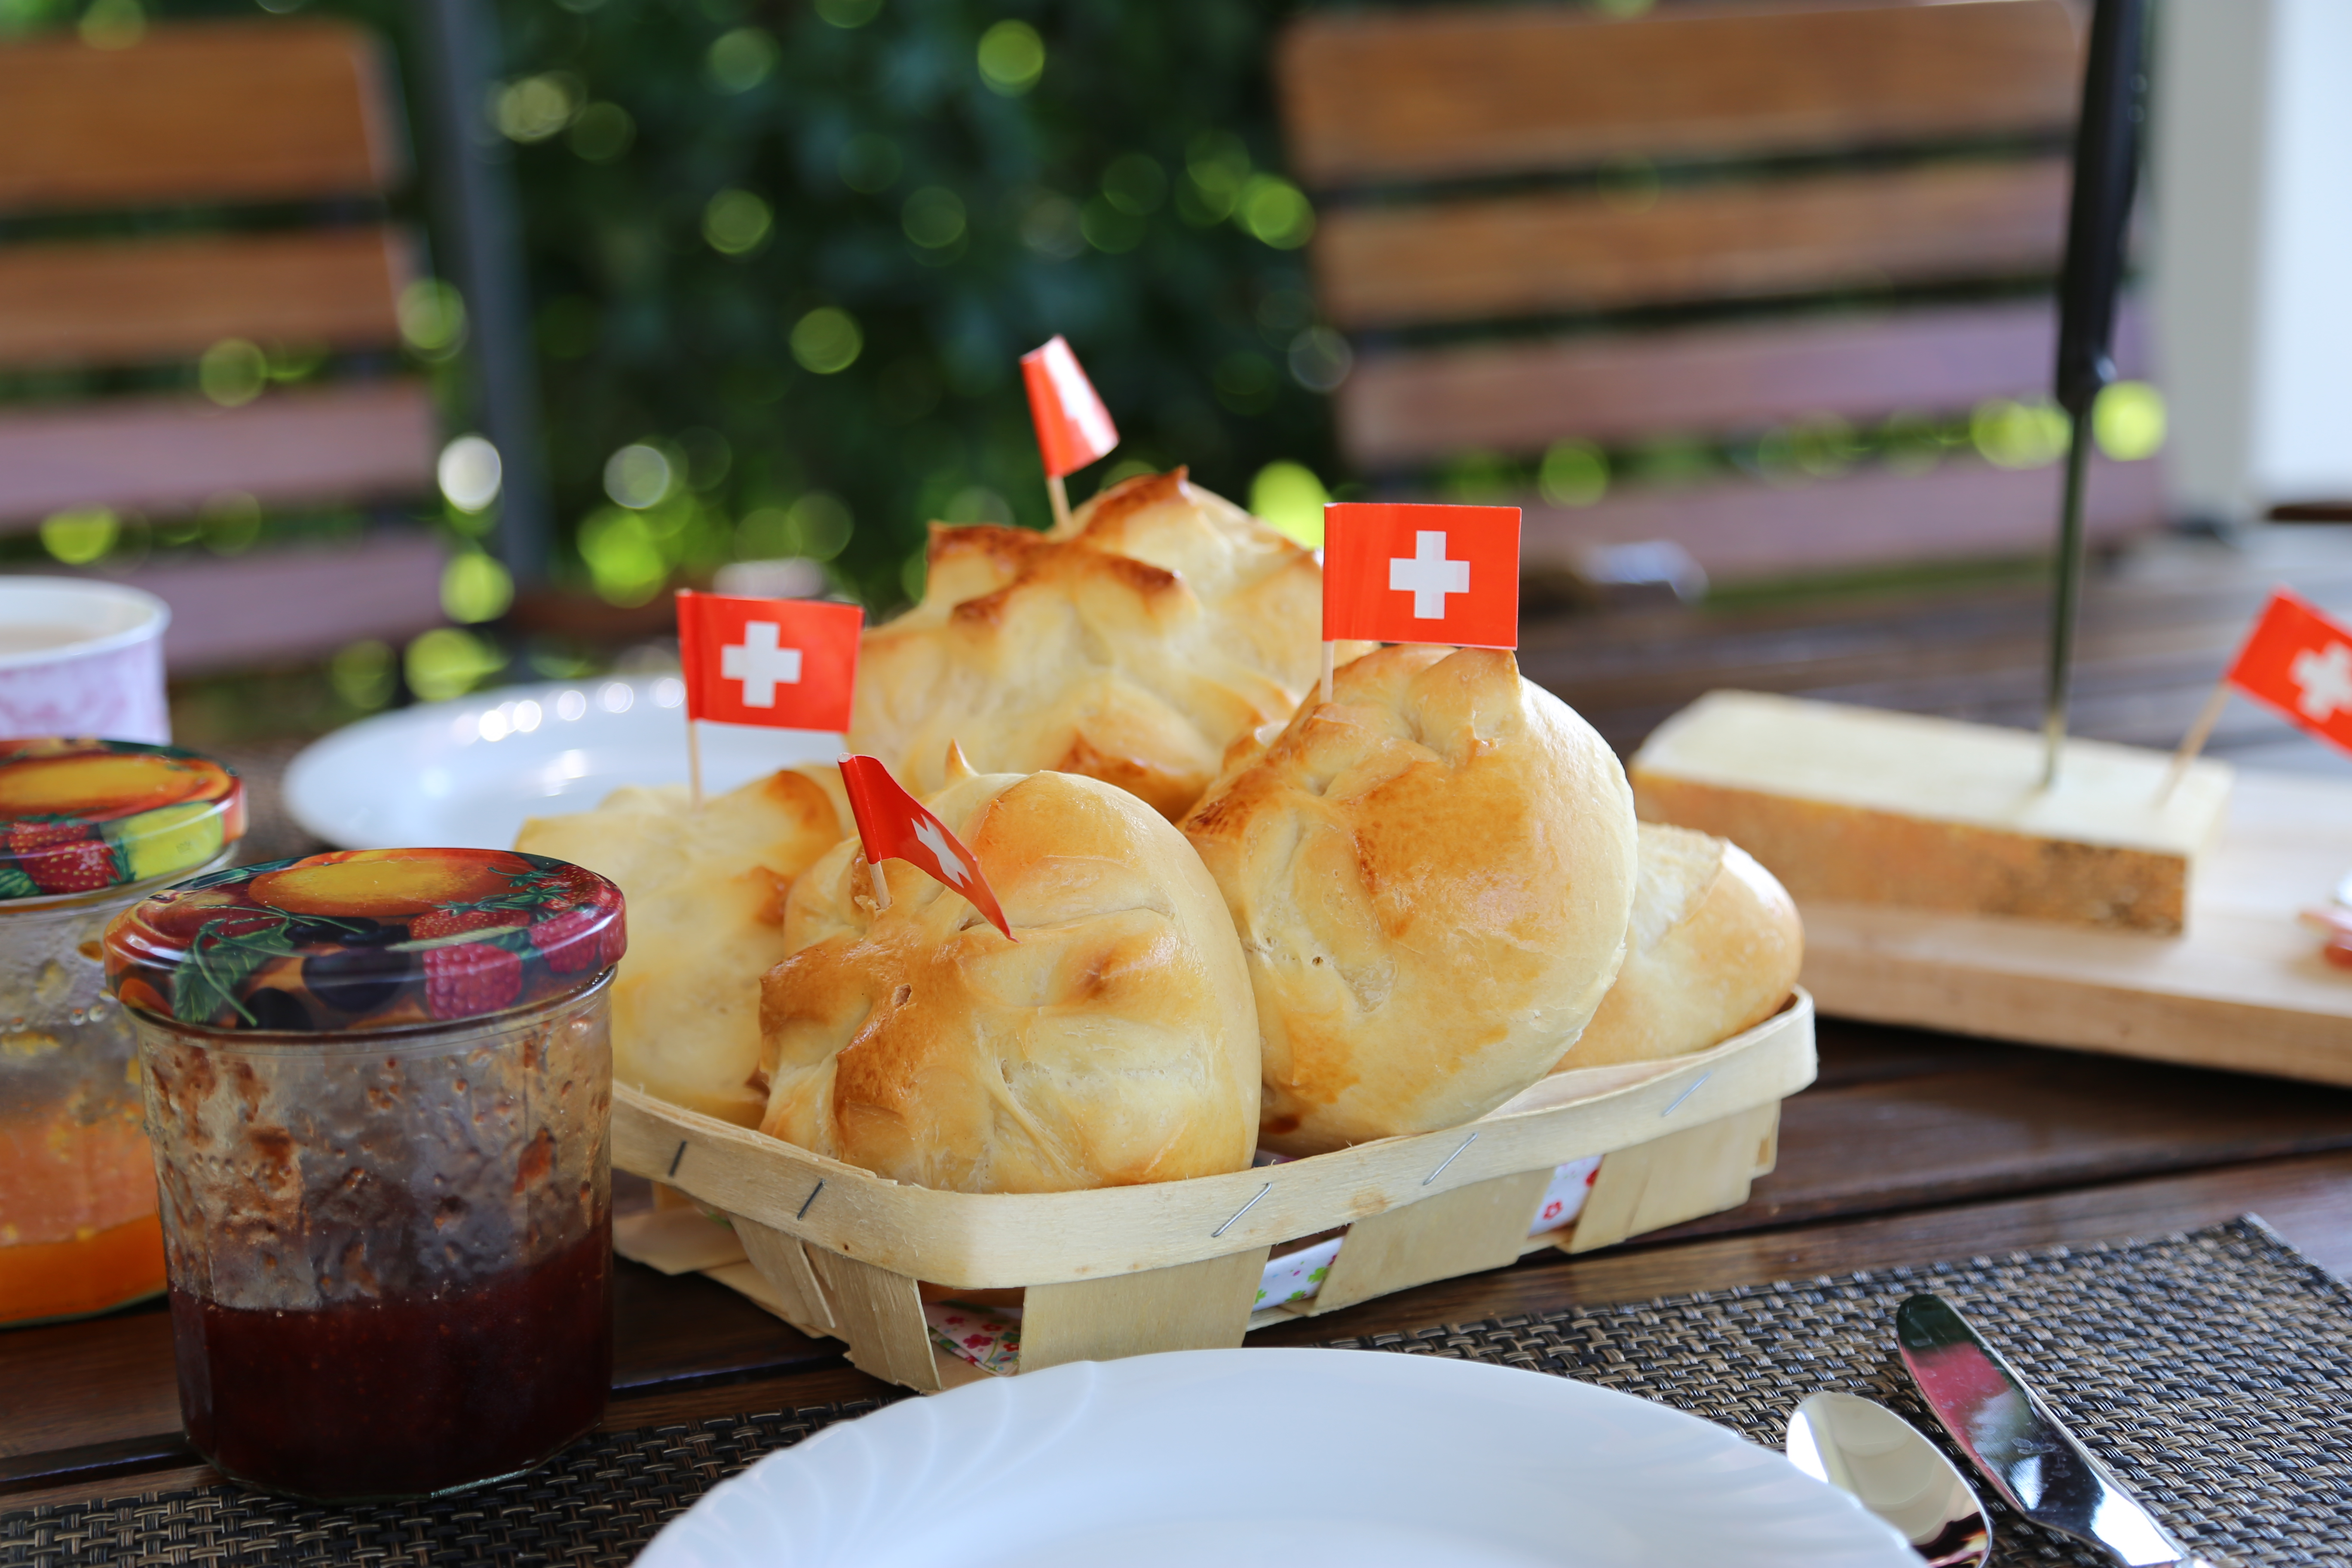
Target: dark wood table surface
pixel 1911 1147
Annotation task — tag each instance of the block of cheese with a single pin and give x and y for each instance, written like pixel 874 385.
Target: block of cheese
pixel 1859 806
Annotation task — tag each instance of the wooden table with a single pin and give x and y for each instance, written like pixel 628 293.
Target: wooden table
pixel 1910 1148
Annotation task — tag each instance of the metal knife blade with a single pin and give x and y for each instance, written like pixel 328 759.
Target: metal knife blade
pixel 2038 1467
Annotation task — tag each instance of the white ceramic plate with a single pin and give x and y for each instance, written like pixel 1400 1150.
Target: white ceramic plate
pixel 466 774
pixel 1284 1457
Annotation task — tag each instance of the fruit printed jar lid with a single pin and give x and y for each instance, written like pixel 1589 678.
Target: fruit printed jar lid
pixel 365 938
pixel 76 815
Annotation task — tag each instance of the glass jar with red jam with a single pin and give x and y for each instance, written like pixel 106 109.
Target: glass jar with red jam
pixel 379 1087
pixel 87 828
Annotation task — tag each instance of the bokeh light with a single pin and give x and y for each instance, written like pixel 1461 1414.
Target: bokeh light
pixel 537 107
pixel 230 523
pixel 736 223
pixel 1012 57
pixel 80 535
pixel 1276 212
pixel 741 59
pixel 2128 421
pixel 364 673
pixel 933 218
pixel 1320 358
pixel 475 587
pixel 470 473
pixel 1572 473
pixel 2012 434
pixel 1290 497
pixel 602 133
pixel 639 476
pixel 445 662
pixel 232 372
pixel 826 340
pixel 432 318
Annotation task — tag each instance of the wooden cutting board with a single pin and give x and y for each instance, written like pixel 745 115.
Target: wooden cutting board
pixel 2243 987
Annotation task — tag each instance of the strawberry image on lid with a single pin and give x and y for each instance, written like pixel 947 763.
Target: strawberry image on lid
pixel 366 939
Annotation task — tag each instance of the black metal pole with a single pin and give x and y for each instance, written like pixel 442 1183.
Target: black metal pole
pixel 2107 168
pixel 471 187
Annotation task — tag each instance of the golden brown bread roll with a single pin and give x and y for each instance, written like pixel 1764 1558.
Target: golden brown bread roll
pixel 1134 646
pixel 1713 949
pixel 705 897
pixel 1430 875
pixel 1113 1044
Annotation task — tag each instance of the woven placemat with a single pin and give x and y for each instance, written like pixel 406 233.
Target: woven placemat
pixel 2213 1371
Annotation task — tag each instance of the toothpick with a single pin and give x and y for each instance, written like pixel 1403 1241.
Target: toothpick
pixel 881 888
pixel 694 762
pixel 2199 733
pixel 1061 498
pixel 1327 672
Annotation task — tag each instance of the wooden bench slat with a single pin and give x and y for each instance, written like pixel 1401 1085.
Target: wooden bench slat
pixel 295 603
pixel 1421 95
pixel 229 112
pixel 1401 409
pixel 161 456
pixel 1522 256
pixel 119 303
pixel 1873 518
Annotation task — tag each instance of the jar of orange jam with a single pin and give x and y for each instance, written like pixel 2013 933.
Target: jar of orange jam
pixel 87 828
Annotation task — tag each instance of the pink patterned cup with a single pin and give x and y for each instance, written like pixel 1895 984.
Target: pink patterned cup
pixel 82 657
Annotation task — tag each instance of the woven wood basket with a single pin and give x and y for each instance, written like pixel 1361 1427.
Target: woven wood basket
pixel 1176 1266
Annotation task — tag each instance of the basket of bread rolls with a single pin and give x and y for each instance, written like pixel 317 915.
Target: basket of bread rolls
pixel 1307 999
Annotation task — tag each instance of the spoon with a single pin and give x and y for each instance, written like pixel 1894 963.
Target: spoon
pixel 1865 1449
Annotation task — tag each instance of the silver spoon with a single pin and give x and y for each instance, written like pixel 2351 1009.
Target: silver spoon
pixel 1865 1449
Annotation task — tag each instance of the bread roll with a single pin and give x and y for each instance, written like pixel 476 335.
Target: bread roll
pixel 706 894
pixel 1714 947
pixel 1132 646
pixel 1430 875
pixel 1112 1043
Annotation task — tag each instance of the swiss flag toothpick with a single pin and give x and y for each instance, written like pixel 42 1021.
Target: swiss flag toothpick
pixel 2295 661
pixel 790 664
pixel 894 825
pixel 2299 662
pixel 1074 428
pixel 1396 572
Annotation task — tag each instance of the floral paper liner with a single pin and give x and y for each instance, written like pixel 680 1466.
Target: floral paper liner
pixel 990 1337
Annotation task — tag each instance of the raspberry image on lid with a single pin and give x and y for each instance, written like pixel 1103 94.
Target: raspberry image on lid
pixel 366 939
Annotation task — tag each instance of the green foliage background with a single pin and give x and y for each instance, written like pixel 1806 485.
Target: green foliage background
pixel 1183 318
pixel 1111 201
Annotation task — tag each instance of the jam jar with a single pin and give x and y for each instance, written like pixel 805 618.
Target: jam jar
pixel 88 828
pixel 379 1087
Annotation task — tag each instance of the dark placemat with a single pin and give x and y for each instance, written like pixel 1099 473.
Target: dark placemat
pixel 2212 1371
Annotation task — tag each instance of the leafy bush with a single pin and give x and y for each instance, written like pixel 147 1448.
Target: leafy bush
pixel 784 256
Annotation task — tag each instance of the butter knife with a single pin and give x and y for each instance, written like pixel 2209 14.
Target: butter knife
pixel 2038 1467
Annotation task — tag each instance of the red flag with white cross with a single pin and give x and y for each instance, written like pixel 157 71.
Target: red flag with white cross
pixel 894 825
pixel 789 664
pixel 1400 572
pixel 2299 662
pixel 1074 428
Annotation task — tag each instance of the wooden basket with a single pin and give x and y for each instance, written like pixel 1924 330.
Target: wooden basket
pixel 1176 1266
